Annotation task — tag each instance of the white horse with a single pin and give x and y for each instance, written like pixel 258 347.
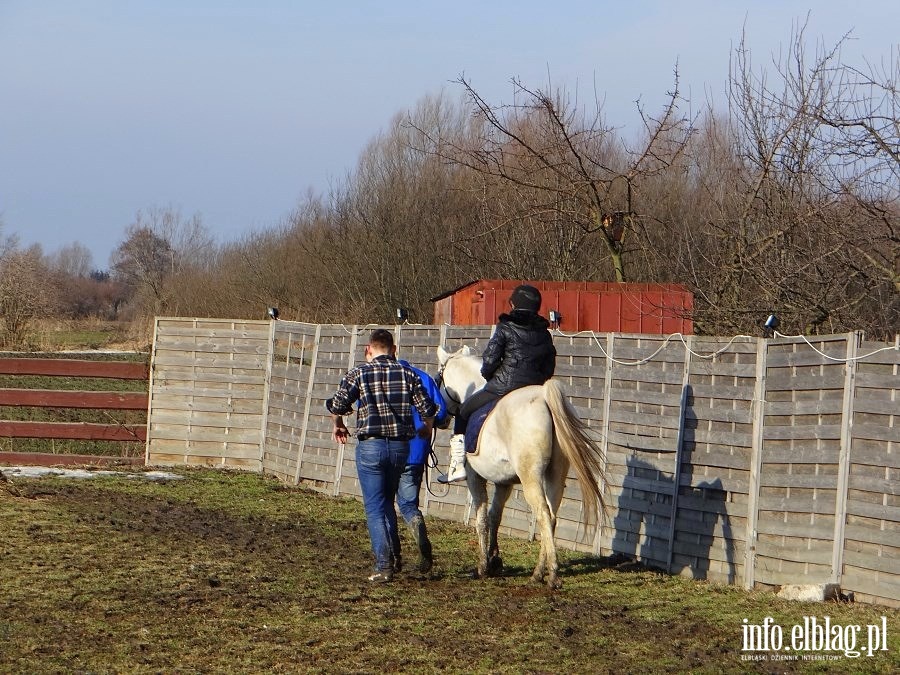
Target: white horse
pixel 531 437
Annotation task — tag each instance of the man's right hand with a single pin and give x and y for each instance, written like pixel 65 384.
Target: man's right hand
pixel 425 430
pixel 340 433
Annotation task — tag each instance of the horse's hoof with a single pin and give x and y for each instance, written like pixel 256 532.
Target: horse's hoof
pixel 495 566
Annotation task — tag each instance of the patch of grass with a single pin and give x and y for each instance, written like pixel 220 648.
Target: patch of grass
pixel 73 447
pixel 234 572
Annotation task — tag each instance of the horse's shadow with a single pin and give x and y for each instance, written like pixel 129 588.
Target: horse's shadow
pixel 593 564
pixel 574 567
pixel 571 567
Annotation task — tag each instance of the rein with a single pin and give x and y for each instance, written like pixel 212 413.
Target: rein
pixel 431 461
pixel 439 381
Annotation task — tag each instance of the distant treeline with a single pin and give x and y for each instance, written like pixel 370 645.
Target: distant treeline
pixel 789 201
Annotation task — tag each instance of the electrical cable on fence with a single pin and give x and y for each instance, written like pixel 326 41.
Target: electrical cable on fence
pixel 639 362
pixel 359 329
pixel 896 345
pixel 714 354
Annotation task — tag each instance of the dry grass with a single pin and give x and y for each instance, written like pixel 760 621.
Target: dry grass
pixel 48 335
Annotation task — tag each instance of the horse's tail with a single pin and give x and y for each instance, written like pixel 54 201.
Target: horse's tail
pixel 580 449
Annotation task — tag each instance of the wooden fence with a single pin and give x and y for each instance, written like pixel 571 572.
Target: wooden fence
pixel 68 399
pixel 749 461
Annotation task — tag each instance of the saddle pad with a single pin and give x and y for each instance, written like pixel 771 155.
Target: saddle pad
pixel 476 421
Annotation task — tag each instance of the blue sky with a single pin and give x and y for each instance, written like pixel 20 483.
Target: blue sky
pixel 235 110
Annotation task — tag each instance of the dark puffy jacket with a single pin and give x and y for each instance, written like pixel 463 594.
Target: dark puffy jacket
pixel 520 353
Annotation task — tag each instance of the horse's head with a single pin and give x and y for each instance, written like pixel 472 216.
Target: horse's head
pixel 459 376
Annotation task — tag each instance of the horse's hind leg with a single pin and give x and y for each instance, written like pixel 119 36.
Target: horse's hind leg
pixel 501 496
pixel 537 499
pixel 554 485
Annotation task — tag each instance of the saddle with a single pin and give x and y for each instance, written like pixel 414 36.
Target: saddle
pixel 476 421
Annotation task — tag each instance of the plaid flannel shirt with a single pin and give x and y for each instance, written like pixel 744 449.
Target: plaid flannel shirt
pixel 386 390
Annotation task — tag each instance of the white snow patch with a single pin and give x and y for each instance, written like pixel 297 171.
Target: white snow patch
pixel 41 471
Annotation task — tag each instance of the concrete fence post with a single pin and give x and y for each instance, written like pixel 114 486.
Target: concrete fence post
pixel 604 435
pixel 270 357
pixel 759 412
pixel 676 477
pixel 339 464
pixel 308 405
pixel 843 477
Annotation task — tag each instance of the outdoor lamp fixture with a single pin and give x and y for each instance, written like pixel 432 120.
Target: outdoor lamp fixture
pixel 273 312
pixel 555 318
pixel 402 314
pixel 770 325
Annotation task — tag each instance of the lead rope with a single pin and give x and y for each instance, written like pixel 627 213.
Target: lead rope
pixel 431 462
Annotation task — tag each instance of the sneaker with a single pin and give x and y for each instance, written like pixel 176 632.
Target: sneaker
pixel 381 577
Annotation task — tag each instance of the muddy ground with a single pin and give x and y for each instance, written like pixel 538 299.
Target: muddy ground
pixel 228 572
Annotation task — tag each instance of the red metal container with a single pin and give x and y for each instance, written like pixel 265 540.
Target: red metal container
pixel 603 307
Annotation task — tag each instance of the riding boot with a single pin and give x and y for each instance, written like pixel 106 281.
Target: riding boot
pixel 457 469
pixel 420 535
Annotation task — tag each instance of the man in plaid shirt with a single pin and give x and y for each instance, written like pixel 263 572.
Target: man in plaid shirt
pixel 386 391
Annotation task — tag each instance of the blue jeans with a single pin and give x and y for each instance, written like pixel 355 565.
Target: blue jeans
pixel 408 491
pixel 379 463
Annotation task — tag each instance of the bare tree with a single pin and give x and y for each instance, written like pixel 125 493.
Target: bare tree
pixel 863 116
pixel 805 225
pixel 567 174
pixel 158 246
pixel 72 260
pixel 26 292
pixel 384 239
pixel 143 262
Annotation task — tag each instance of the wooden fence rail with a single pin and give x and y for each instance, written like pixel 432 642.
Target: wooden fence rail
pixel 51 398
pixel 47 398
pixel 122 370
pixel 743 460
